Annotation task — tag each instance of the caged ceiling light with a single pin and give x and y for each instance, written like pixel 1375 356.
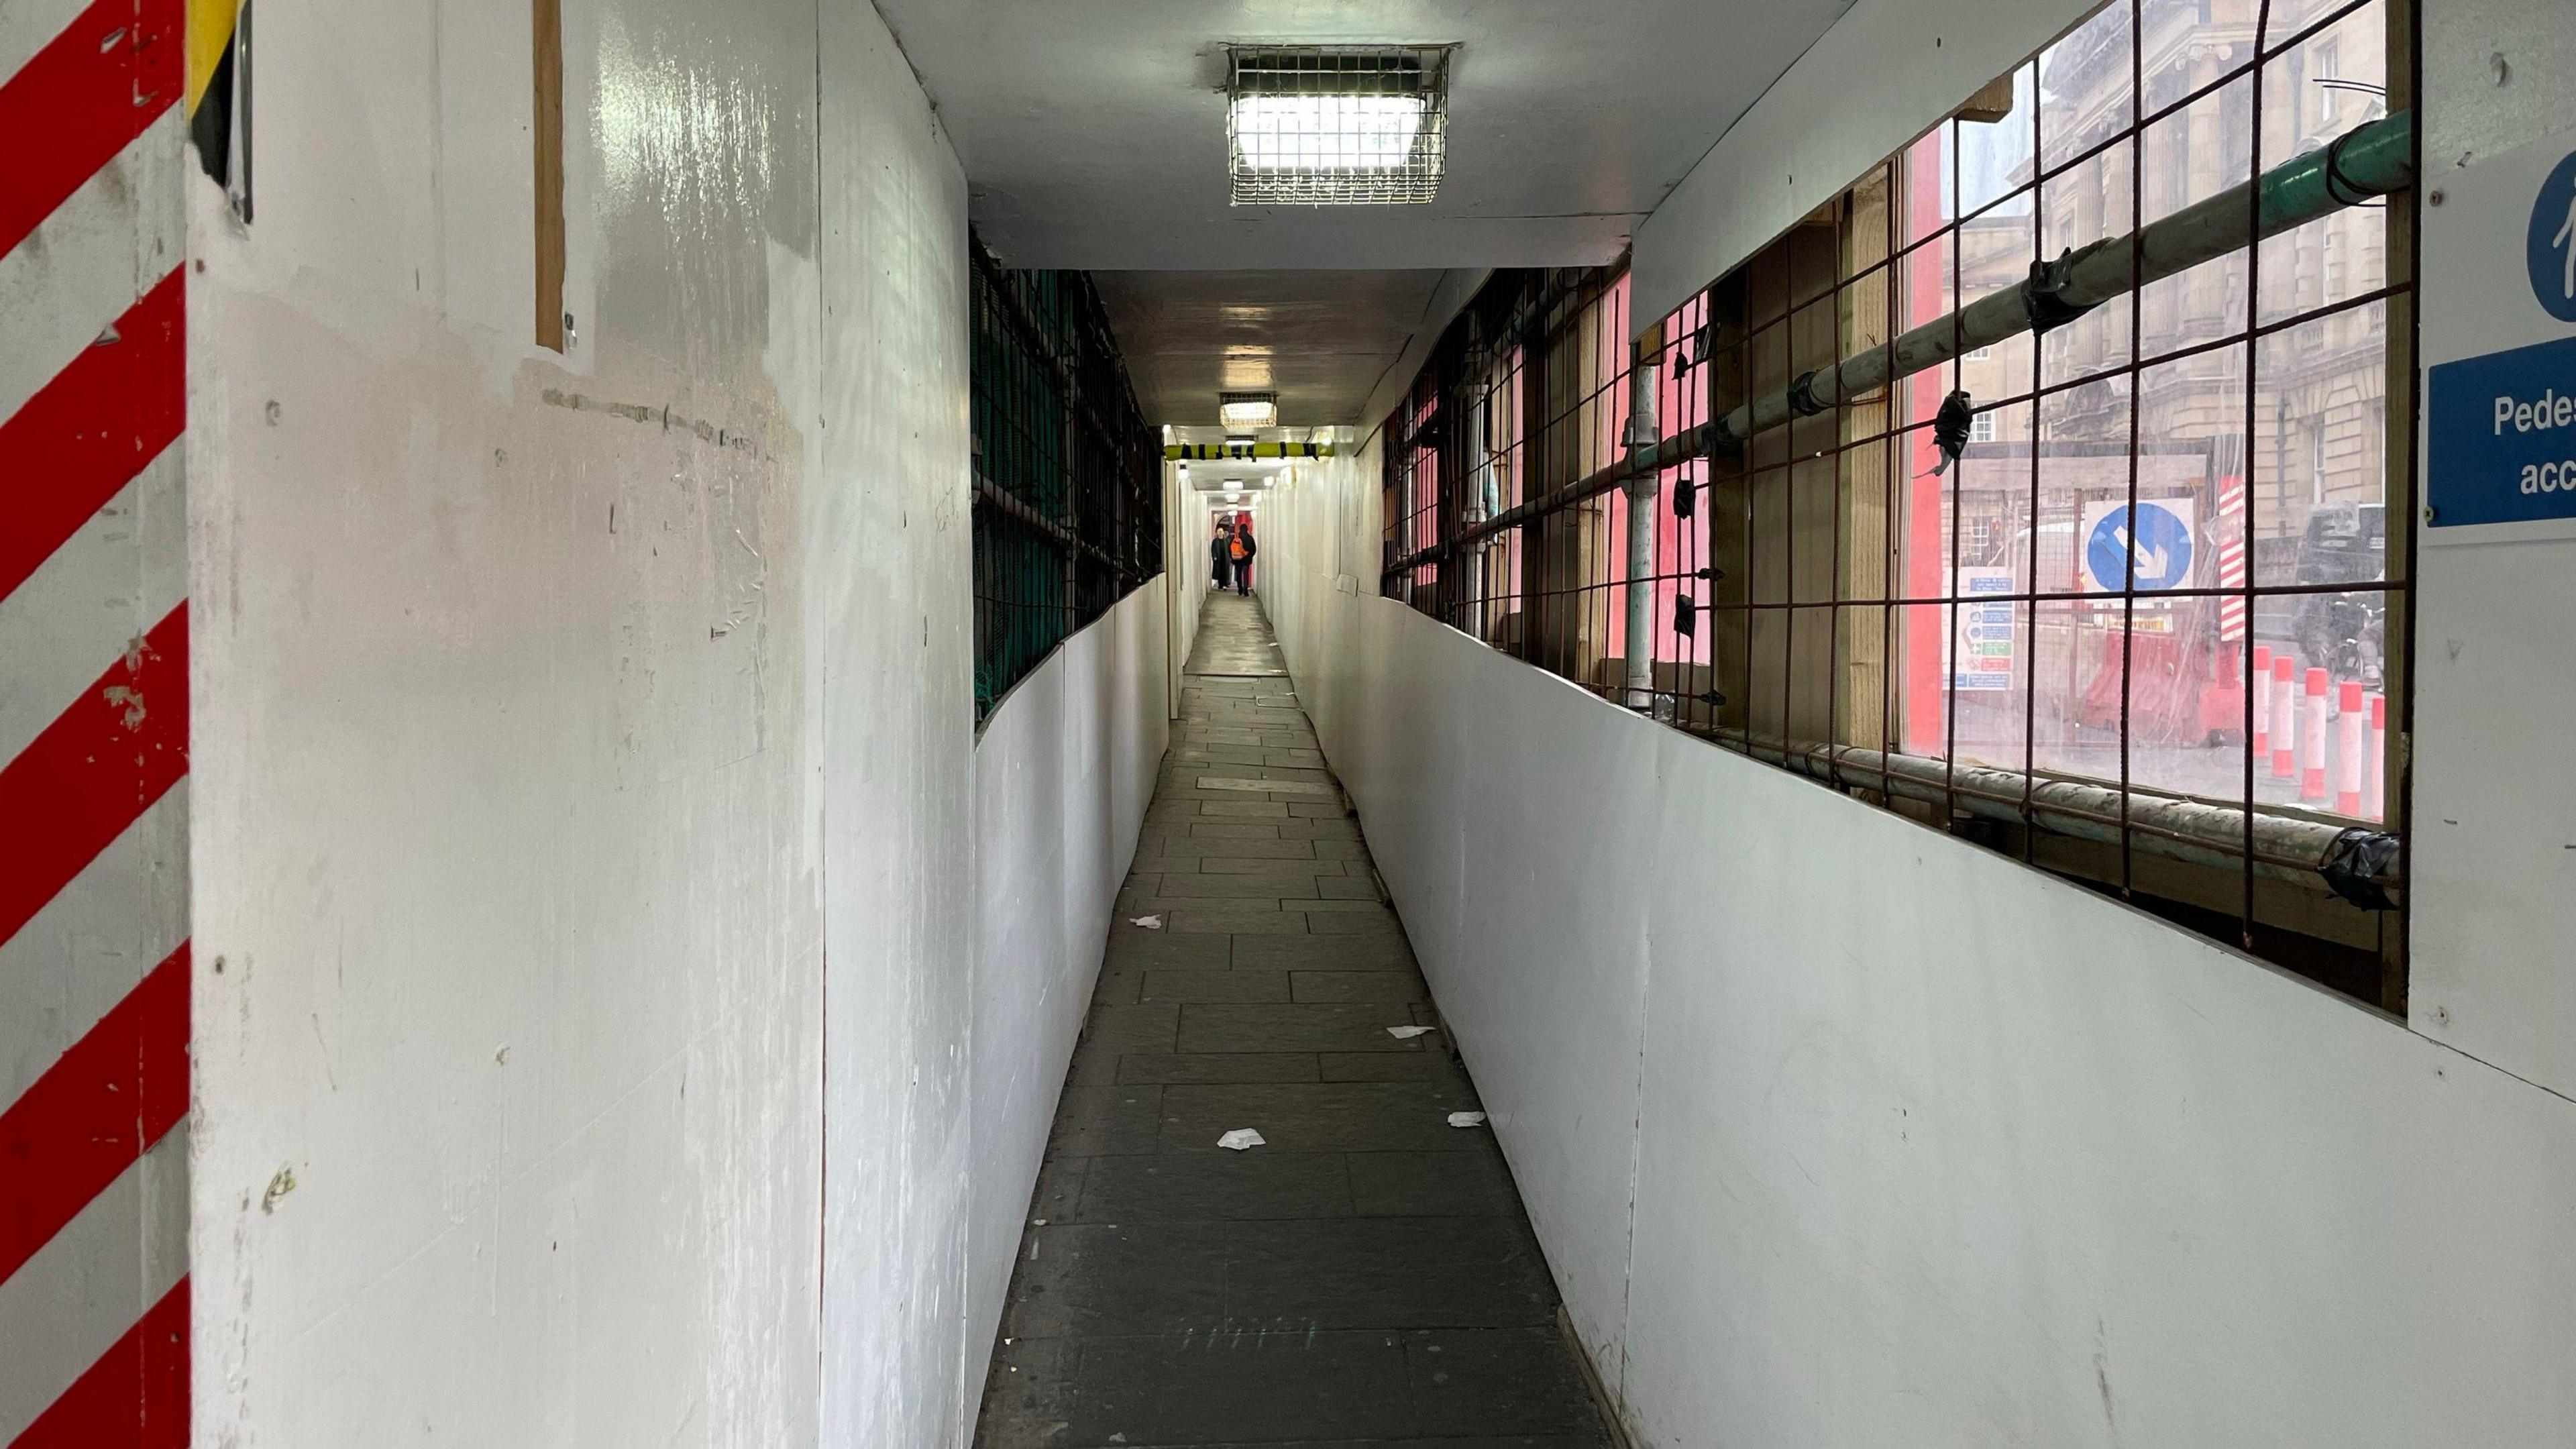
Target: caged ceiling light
pixel 1336 125
pixel 1240 411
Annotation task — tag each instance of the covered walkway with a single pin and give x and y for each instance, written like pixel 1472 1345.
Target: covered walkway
pixel 1365 1276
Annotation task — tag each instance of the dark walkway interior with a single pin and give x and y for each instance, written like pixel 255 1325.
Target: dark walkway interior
pixel 1364 1277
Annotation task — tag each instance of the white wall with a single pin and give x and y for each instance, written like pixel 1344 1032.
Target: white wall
pixel 1063 773
pixel 2496 667
pixel 1185 576
pixel 588 975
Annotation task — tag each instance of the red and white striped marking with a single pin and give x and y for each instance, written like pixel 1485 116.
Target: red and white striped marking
pixel 2375 794
pixel 2285 716
pixel 94 959
pixel 2262 700
pixel 2312 740
pixel 2350 733
pixel 2231 533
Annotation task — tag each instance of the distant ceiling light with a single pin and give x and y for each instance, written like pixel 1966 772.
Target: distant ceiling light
pixel 1336 125
pixel 1247 410
pixel 1239 440
pixel 1246 367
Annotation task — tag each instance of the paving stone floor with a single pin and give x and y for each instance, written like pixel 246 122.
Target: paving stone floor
pixel 1366 1277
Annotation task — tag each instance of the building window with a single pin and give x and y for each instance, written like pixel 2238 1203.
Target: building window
pixel 2146 632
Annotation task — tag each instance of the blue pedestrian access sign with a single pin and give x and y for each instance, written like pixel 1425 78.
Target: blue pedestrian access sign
pixel 2499 418
pixel 2504 436
pixel 2549 242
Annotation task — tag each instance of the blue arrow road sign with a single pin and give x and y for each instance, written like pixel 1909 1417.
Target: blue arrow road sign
pixel 2160 541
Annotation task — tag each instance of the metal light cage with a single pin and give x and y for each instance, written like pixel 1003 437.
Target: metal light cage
pixel 1336 125
pixel 1257 409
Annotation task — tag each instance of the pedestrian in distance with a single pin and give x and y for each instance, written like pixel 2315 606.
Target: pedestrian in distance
pixel 1221 557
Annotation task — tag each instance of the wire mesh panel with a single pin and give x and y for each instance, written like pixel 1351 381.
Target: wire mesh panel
pixel 1336 125
pixel 1068 502
pixel 2119 586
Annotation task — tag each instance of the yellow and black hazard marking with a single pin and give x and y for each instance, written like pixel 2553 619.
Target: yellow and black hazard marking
pixel 218 94
pixel 1218 451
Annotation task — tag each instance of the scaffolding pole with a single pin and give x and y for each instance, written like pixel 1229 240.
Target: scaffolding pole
pixel 1644 431
pixel 2355 862
pixel 2369 161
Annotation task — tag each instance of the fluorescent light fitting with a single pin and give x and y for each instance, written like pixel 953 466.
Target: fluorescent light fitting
pixel 1336 125
pixel 1239 410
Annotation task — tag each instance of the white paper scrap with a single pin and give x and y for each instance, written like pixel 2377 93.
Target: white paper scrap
pixel 1239 1139
pixel 1466 1119
pixel 1150 923
pixel 1406 1033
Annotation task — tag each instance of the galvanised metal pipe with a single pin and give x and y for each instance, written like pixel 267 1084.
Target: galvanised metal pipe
pixel 1471 604
pixel 2286 847
pixel 2370 160
pixel 1644 431
pixel 994 496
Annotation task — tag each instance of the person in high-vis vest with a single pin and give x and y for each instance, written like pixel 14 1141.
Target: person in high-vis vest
pixel 1243 550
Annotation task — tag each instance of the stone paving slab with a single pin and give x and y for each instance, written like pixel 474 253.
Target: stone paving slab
pixel 1326 1117
pixel 1218 884
pixel 1200 1068
pixel 1314 1026
pixel 1222 986
pixel 1334 953
pixel 1227 1186
pixel 1317 986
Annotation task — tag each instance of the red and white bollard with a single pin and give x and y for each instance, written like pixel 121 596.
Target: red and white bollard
pixel 2375 803
pixel 2262 700
pixel 2350 731
pixel 2312 741
pixel 2285 718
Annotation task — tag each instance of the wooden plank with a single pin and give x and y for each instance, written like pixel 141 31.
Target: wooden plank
pixel 547 19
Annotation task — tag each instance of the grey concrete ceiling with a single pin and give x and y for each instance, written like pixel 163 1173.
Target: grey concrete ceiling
pixel 1093 136
pixel 1093 131
pixel 1320 340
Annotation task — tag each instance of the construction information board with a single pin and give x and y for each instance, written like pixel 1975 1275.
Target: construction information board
pixel 2500 394
pixel 1981 634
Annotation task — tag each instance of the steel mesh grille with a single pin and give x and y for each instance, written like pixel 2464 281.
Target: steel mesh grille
pixel 1323 125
